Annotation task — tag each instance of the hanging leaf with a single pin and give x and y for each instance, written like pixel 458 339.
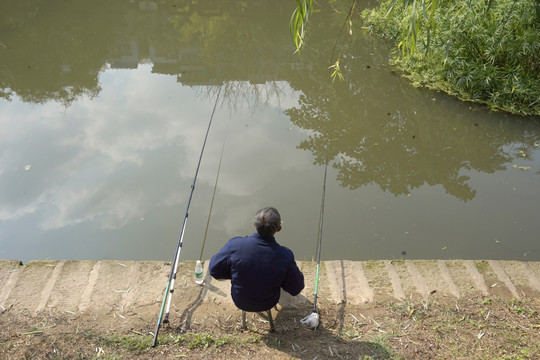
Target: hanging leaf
pixel 298 22
pixel 336 71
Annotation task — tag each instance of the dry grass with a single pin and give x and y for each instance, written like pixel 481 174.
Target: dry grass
pixel 438 328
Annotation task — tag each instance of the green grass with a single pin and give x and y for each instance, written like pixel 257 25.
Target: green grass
pixel 131 343
pixel 481 266
pixel 138 343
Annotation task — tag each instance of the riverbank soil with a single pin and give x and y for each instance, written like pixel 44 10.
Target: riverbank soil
pixel 439 327
pixel 399 309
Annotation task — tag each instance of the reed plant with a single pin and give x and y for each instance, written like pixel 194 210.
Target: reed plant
pixel 479 50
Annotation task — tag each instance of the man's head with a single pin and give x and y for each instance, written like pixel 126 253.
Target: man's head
pixel 267 221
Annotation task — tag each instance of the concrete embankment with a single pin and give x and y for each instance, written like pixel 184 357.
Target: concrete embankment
pixel 135 288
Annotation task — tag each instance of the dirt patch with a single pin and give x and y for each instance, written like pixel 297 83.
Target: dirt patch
pixel 437 328
pixel 369 310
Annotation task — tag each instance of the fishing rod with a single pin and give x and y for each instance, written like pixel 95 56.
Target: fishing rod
pixel 312 320
pixel 169 289
pixel 319 239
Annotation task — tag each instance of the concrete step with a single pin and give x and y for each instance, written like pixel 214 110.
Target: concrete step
pixel 135 288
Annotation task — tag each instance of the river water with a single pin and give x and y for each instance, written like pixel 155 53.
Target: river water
pixel 104 108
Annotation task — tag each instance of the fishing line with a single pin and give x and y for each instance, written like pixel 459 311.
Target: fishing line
pixel 169 289
pixel 312 320
pixel 213 197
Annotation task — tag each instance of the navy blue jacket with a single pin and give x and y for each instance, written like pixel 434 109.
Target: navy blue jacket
pixel 258 267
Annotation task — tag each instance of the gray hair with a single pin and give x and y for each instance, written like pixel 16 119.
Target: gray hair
pixel 267 221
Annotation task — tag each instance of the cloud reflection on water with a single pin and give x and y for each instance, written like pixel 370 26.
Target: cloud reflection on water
pixel 108 160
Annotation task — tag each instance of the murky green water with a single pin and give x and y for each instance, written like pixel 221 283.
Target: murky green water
pixel 104 107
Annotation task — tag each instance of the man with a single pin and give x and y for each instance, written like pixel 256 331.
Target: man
pixel 258 266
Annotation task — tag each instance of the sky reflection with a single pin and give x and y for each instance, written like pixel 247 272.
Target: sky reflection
pixel 114 160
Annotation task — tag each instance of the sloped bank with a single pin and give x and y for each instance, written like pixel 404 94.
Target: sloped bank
pixel 97 286
pixel 99 304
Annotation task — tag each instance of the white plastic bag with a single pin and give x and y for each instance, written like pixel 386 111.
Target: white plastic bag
pixel 312 320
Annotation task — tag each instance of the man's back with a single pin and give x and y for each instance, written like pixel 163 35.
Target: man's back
pixel 258 267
